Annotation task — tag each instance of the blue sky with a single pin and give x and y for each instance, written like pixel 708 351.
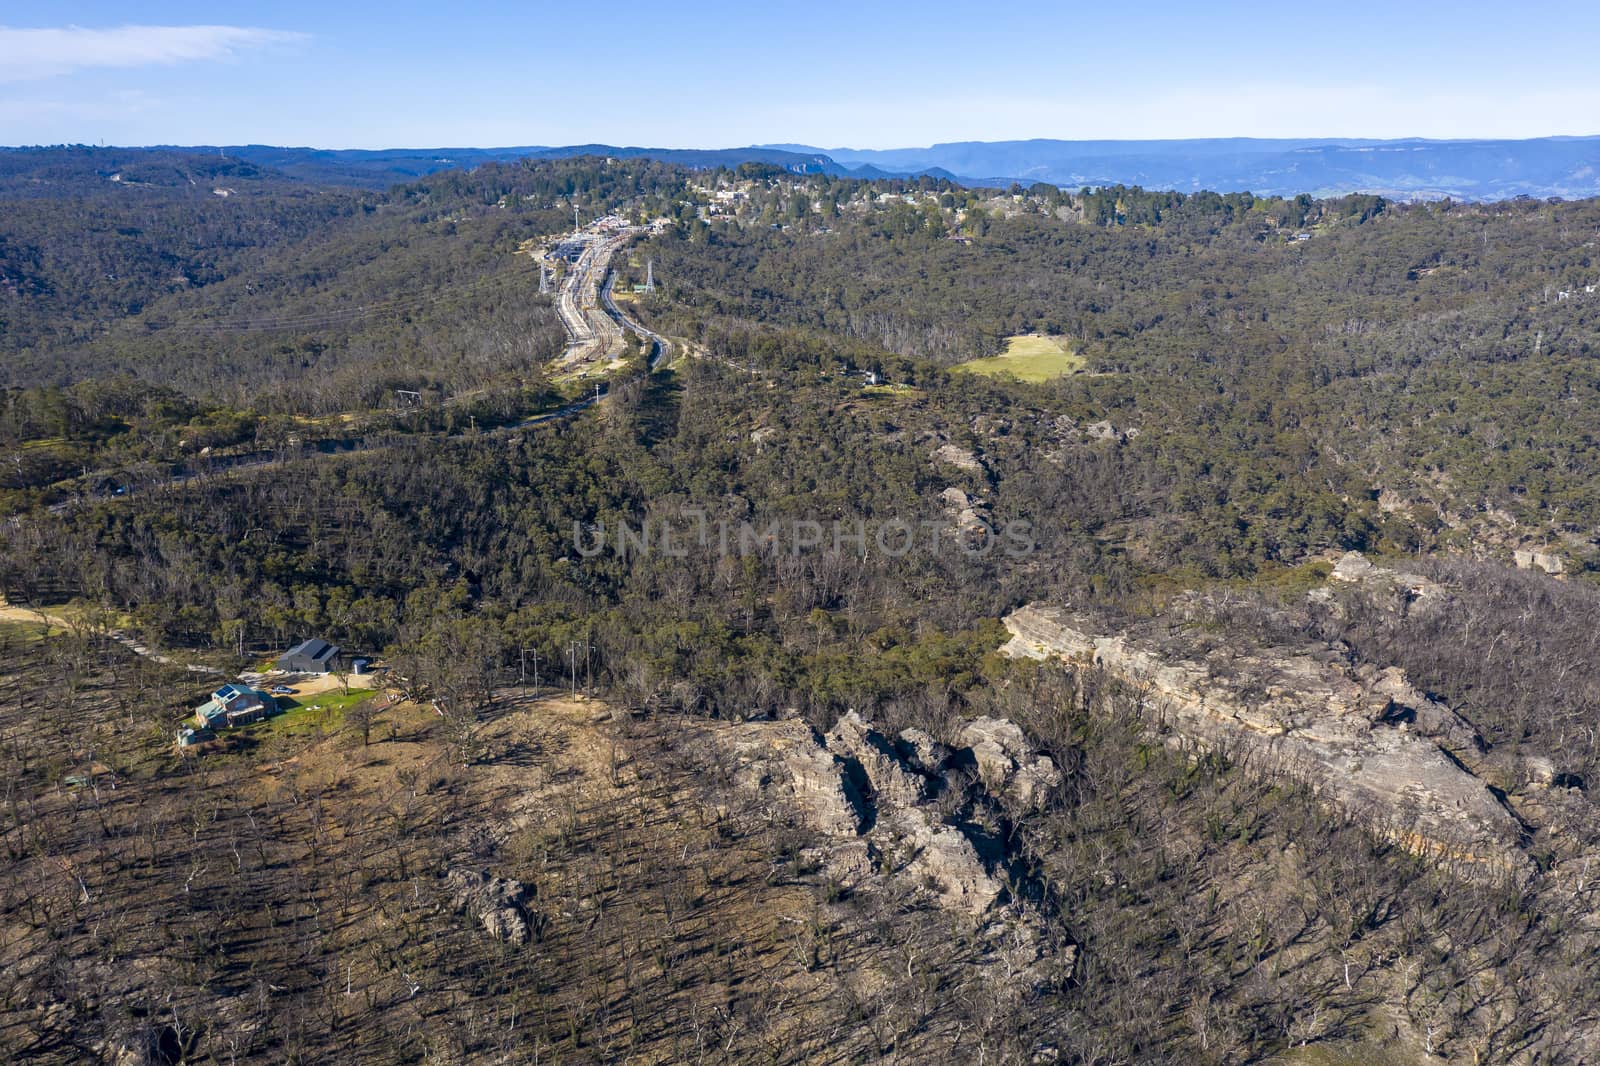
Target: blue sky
pixel 364 73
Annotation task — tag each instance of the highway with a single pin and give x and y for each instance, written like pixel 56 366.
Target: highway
pixel 660 347
pixel 594 338
pixel 594 325
pixel 588 308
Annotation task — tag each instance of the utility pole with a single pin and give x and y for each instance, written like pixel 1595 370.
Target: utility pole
pixel 572 666
pixel 522 672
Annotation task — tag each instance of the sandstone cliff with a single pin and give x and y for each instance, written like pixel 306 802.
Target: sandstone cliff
pixel 1364 739
pixel 903 813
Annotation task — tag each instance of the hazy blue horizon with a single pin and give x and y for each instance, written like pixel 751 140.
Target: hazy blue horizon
pixel 365 75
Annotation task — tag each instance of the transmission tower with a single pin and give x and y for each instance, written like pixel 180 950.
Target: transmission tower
pixel 649 275
pixel 544 278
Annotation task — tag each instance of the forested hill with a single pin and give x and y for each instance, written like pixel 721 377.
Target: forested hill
pixel 1236 392
pixel 1401 169
pixel 47 171
pixel 1437 352
pixel 1278 322
pixel 228 280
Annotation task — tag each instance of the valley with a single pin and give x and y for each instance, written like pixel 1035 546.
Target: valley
pixel 842 620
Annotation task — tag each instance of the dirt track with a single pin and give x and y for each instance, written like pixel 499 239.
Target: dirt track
pixel 12 613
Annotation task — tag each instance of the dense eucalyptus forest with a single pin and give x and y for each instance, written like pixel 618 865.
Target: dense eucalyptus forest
pixel 201 450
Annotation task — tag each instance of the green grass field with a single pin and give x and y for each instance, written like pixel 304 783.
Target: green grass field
pixel 895 390
pixel 304 714
pixel 16 633
pixel 1028 357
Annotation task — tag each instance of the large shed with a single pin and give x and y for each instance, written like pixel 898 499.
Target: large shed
pixel 314 656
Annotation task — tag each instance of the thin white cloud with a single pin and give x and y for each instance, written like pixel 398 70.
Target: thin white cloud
pixel 32 54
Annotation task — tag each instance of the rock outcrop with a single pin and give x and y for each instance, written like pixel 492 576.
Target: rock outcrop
pixel 1535 560
pixel 922 752
pixel 786 763
pixel 874 764
pixel 961 458
pixel 1104 431
pixel 503 906
pixel 1366 741
pixel 900 811
pixel 969 514
pixel 1008 764
pixel 1395 589
pixel 942 858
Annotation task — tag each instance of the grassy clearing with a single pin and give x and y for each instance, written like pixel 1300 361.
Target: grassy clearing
pixel 895 390
pixel 15 633
pixel 305 714
pixel 1029 357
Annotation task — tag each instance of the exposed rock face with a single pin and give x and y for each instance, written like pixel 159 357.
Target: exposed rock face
pixel 971 516
pixel 1355 568
pixel 1540 771
pixel 1104 431
pixel 961 458
pixel 501 905
pixel 865 751
pixel 1034 781
pixel 1532 560
pixel 1404 704
pixel 1007 763
pixel 1367 742
pixel 1400 589
pixel 993 743
pixel 922 752
pixel 887 813
pixel 910 835
pixel 941 857
pixel 785 761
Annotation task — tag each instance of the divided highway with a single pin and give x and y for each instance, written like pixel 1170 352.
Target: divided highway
pixel 594 325
pixel 588 309
pixel 593 337
pixel 660 347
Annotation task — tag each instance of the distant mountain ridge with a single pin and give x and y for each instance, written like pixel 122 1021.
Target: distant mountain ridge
pixel 403 164
pixel 1568 167
pixel 1413 168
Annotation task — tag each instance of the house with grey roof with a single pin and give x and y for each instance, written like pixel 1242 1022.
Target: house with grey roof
pixel 314 656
